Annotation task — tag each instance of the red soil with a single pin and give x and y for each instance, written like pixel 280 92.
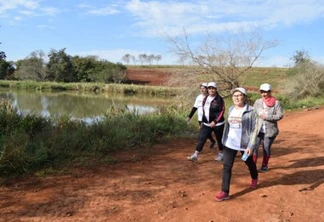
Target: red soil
pixel 161 185
pixel 147 76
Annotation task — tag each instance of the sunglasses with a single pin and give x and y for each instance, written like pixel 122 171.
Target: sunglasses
pixel 262 91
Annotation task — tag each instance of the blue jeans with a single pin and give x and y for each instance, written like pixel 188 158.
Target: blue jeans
pixel 228 163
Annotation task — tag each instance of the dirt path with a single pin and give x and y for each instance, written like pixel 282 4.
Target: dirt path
pixel 164 186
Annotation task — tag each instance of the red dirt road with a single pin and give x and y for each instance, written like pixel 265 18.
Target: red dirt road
pixel 163 186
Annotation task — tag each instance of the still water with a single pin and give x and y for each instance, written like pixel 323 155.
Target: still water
pixel 85 106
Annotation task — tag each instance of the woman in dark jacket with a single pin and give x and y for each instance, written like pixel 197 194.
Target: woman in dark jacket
pixel 212 121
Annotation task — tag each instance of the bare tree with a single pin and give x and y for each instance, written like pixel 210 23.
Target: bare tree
pixel 157 58
pixel 150 59
pixel 126 58
pixel 134 59
pixel 222 59
pixel 142 58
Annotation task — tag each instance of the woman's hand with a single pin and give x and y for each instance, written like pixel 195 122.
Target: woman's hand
pixel 248 151
pixel 212 124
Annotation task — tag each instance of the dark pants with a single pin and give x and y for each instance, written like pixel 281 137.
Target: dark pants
pixel 205 132
pixel 210 137
pixel 228 162
pixel 266 144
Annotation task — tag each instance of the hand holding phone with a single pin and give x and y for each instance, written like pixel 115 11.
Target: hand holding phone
pixel 245 156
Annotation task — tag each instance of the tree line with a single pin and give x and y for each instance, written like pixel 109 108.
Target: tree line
pixel 142 58
pixel 58 66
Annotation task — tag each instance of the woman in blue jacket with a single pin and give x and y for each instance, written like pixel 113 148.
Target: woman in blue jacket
pixel 239 135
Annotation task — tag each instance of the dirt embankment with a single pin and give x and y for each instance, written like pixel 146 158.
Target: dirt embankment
pixel 148 76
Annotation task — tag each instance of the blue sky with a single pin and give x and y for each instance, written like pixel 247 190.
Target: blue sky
pixel 110 29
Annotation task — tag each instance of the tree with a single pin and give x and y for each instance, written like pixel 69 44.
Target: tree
pixel 134 59
pixel 142 58
pixel 84 67
pixel 126 58
pixel 307 80
pixel 158 58
pixel 60 67
pixel 6 69
pixel 32 67
pixel 3 56
pixel 107 72
pixel 300 56
pixel 150 59
pixel 225 60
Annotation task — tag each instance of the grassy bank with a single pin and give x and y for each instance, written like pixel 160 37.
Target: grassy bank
pixel 90 87
pixel 31 143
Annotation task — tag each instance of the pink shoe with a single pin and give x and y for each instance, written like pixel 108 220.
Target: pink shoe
pixel 222 196
pixel 254 183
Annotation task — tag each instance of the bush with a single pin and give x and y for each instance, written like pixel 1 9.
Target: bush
pixel 306 79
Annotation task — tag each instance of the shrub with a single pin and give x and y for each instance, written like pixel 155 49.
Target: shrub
pixel 306 79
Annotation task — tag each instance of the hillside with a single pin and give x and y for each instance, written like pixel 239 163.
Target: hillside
pixel 157 76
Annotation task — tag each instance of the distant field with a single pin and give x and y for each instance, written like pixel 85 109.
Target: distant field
pixel 159 75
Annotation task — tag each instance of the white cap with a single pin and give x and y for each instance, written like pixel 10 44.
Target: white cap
pixel 240 89
pixel 265 87
pixel 204 84
pixel 212 84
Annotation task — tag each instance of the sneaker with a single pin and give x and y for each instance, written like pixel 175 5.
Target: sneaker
pixel 264 168
pixel 219 157
pixel 212 145
pixel 193 157
pixel 222 196
pixel 254 183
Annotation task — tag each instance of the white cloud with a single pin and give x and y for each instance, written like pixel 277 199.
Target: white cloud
pixel 27 12
pixel 217 16
pixel 17 18
pixel 6 5
pixel 51 11
pixel 103 11
pixel 111 9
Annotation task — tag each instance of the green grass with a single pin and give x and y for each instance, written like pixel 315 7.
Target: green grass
pixel 90 87
pixel 274 76
pixel 33 143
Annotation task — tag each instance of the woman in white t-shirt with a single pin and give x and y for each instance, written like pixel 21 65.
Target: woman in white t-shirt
pixel 240 134
pixel 213 107
pixel 198 106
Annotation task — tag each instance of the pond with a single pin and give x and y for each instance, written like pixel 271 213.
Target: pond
pixel 86 106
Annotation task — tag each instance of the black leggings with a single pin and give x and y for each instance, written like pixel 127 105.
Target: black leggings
pixel 228 162
pixel 205 132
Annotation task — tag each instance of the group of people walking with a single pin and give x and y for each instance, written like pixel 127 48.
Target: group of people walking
pixel 245 128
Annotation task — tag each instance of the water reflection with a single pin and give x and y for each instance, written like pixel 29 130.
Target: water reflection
pixel 86 106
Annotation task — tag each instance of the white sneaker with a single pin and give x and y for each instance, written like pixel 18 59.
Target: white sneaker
pixel 219 157
pixel 193 157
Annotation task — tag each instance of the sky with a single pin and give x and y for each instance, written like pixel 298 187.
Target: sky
pixel 110 29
